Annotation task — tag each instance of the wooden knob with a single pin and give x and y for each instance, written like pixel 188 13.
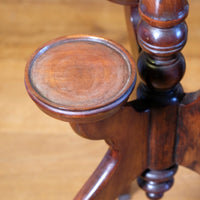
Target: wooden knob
pixel 80 78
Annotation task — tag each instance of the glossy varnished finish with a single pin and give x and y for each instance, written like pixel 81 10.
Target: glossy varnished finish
pixel 145 136
pixel 164 13
pixel 162 34
pixel 124 161
pixel 86 79
pixel 132 19
pixel 162 141
pixel 42 158
pixel 154 41
pixel 73 77
pixel 161 65
pixel 155 183
pixel 161 75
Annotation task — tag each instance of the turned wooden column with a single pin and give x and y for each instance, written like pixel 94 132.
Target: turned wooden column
pixel 162 33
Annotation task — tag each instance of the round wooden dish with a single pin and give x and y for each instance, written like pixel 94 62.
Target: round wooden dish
pixel 80 78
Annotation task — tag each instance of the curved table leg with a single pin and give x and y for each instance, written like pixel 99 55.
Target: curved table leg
pixel 126 134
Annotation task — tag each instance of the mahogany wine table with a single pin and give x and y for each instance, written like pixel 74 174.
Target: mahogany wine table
pixel 87 80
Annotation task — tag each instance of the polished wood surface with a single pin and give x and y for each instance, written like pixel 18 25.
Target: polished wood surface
pixel 124 161
pixel 80 78
pixel 162 34
pixel 42 158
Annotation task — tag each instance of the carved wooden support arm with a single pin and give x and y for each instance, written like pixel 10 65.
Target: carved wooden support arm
pixel 86 81
pixel 126 134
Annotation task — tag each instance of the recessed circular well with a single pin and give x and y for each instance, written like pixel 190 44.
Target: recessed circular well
pixel 80 74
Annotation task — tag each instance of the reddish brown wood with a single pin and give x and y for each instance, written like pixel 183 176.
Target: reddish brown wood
pixel 87 80
pixel 132 16
pixel 126 134
pixel 162 33
pixel 188 148
pixel 162 41
pixel 80 78
pixel 162 140
pixel 156 182
pixel 163 13
pixel 161 75
pixel 132 20
pixel 54 91
pixel 161 67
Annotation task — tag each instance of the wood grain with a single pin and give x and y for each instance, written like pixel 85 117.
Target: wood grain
pixel 40 157
pixel 80 78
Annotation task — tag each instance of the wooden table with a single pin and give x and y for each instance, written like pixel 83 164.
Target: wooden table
pixel 41 158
